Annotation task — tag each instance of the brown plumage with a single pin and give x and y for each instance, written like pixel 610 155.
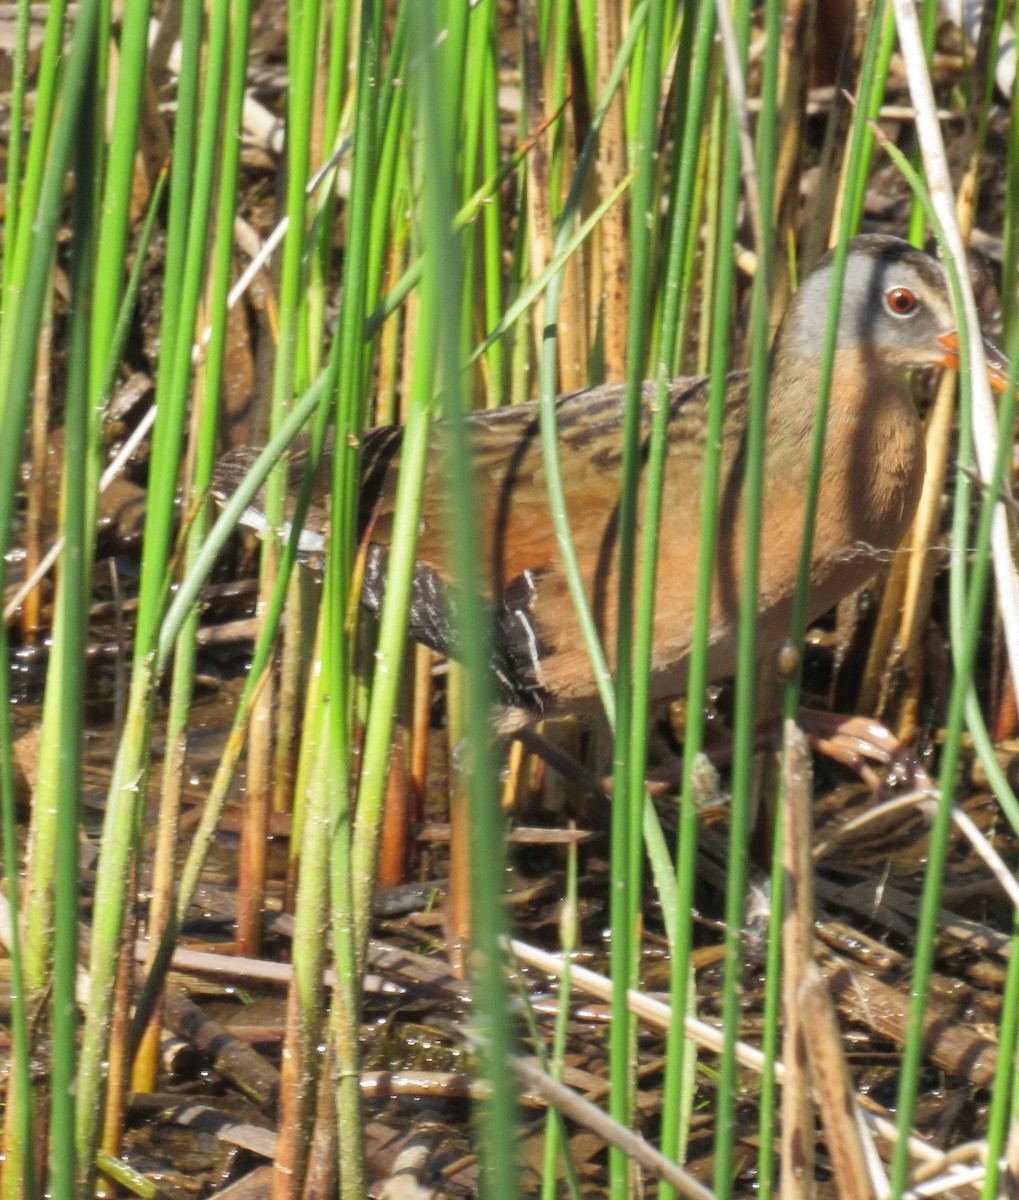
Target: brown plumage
pixel 895 315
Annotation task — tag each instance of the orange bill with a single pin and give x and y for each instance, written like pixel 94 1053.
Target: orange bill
pixel 997 362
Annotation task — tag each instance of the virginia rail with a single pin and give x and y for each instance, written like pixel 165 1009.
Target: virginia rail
pixel 895 315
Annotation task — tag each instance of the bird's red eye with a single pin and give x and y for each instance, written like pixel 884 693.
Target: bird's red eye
pixel 901 302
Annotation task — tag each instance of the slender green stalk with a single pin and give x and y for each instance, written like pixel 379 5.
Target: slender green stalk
pixel 300 1072
pixel 871 81
pixel 61 676
pixel 19 1164
pixel 116 210
pixel 138 1185
pixel 974 718
pixel 325 202
pixel 392 131
pixel 548 427
pixel 629 753
pixel 302 45
pixel 234 21
pixel 338 651
pixel 73 596
pixel 917 216
pixel 301 317
pixel 444 277
pixel 173 402
pixel 480 202
pixel 19 243
pixel 937 857
pixel 683 236
pixel 237 24
pixel 559 12
pixel 492 273
pixel 473 67
pixel 472 73
pixel 713 154
pixel 1010 255
pixel 44 868
pixel 185 597
pixel 1004 1089
pixel 644 228
pixel 739 827
pixel 341 18
pixel 350 402
pixel 185 135
pixel 129 780
pixel 16 137
pixel 387 681
pixel 415 455
pixel 555 1139
pixel 564 248
pixel 184 273
pixel 877 56
pixel 17 383
pixel 967 628
pixel 546 390
pixel 753 500
pixel 871 88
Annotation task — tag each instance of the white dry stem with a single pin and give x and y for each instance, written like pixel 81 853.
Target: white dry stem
pixel 935 161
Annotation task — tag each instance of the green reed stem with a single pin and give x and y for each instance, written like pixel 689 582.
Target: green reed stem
pixel 19 244
pixel 173 401
pixel 683 236
pixel 73 595
pixel 350 923
pixel 877 55
pixel 937 857
pixel 129 781
pixel 232 30
pixel 185 597
pixel 16 136
pixel 1010 254
pixel 917 215
pixel 115 217
pixel 753 499
pixel 392 133
pixel 495 368
pixel 629 746
pixel 40 232
pixel 350 422
pixel 860 147
pixel 1005 1090
pixel 860 144
pixel 108 331
pixel 444 278
pixel 547 381
pixel 739 827
pixel 556 1135
pixel 967 601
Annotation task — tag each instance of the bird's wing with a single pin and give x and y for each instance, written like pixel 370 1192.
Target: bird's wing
pixel 538 652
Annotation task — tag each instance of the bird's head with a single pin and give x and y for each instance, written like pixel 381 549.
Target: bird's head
pixel 896 310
